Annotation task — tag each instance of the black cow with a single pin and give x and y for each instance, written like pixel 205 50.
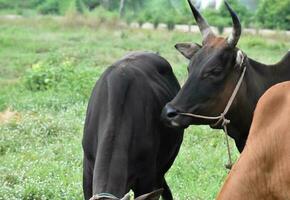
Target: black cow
pixel 125 144
pixel 214 70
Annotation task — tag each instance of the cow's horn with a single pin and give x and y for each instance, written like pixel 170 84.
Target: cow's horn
pixel 237 29
pixel 201 22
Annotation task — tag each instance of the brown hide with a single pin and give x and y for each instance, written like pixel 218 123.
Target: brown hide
pixel 263 169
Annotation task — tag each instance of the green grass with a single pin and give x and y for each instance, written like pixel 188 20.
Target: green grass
pixel 40 149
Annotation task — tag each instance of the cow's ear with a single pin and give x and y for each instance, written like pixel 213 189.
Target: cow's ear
pixel 187 49
pixel 240 58
pixel 155 195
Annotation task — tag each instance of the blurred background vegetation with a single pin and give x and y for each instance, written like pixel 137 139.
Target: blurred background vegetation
pixel 273 14
pixel 48 67
pixel 50 60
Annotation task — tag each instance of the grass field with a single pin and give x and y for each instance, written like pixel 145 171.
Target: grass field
pixel 47 70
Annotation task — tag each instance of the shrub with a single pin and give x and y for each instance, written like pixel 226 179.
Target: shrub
pixel 75 7
pixel 80 6
pixel 43 76
pixel 150 15
pixel 49 7
pixel 215 18
pixel 244 14
pixel 170 21
pixel 156 19
pixel 104 15
pixel 61 7
pixel 129 18
pixel 91 4
pixel 274 14
pixel 222 18
pixel 142 17
pixel 10 4
pixel 60 75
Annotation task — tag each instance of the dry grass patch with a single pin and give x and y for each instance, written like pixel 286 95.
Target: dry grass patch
pixel 8 115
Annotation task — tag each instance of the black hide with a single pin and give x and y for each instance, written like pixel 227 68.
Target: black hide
pixel 125 144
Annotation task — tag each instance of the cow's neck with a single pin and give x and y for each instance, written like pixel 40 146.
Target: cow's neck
pixel 258 78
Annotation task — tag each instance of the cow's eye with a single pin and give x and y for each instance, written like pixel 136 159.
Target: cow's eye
pixel 212 73
pixel 216 71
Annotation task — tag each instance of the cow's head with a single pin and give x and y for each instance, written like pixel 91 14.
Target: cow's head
pixel 213 70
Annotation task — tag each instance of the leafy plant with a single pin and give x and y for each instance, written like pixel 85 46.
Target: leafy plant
pixel 49 7
pixel 60 75
pixel 274 14
pixel 43 76
pixel 221 18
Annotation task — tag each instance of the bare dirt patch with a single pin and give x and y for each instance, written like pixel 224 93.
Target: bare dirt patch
pixel 8 115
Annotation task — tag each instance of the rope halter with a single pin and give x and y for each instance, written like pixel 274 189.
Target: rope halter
pixel 103 195
pixel 221 119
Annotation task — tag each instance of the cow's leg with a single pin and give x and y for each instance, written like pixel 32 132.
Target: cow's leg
pixel 144 185
pixel 87 178
pixel 166 194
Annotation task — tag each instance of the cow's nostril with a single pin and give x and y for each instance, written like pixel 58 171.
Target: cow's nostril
pixel 172 114
pixel 169 113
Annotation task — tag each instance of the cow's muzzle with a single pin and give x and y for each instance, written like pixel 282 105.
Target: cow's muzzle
pixel 169 112
pixel 170 116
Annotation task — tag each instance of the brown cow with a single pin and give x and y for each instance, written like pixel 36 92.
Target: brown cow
pixel 263 169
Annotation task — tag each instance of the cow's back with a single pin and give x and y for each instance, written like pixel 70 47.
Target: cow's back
pixel 262 171
pixel 123 121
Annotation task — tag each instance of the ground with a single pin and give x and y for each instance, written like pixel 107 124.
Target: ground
pixel 48 67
